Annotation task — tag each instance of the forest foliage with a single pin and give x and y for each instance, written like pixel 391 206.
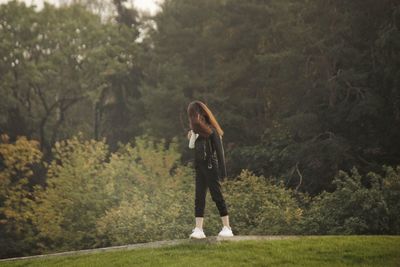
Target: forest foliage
pixel 93 119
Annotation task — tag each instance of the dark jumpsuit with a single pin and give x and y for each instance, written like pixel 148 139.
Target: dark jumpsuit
pixel 209 163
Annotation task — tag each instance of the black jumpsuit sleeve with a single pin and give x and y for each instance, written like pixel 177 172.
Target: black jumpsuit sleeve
pixel 217 140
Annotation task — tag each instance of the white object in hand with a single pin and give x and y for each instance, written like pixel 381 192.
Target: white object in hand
pixel 193 137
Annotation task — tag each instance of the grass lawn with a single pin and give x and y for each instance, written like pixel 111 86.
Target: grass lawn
pixel 305 251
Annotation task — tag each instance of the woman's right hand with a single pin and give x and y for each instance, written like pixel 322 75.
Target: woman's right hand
pixel 189 134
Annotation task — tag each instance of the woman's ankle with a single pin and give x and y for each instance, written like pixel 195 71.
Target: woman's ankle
pixel 225 221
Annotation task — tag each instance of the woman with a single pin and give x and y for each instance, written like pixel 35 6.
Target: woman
pixel 206 139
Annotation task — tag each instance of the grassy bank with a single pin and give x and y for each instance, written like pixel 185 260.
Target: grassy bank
pixel 316 251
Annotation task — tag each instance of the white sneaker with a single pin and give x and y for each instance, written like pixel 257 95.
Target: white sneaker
pixel 225 232
pixel 197 233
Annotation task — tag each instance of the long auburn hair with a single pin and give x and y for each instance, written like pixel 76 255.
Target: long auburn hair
pixel 201 119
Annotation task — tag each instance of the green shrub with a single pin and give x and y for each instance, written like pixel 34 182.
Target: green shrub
pixel 391 193
pixel 152 195
pixel 17 162
pixel 353 208
pixel 142 193
pixel 74 197
pixel 258 206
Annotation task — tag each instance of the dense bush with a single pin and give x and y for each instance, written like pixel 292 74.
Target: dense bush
pixel 142 193
pixel 152 193
pixel 359 205
pixel 74 197
pixel 17 235
pixel 158 203
pixel 259 207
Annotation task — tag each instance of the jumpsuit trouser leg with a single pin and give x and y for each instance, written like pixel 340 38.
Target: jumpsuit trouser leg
pixel 208 178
